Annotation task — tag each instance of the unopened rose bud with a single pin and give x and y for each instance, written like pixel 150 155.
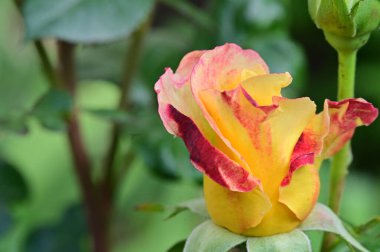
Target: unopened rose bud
pixel 346 24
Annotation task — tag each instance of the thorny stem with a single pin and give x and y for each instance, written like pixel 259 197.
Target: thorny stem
pixel 342 160
pixel 97 212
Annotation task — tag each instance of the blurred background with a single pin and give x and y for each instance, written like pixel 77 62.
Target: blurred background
pixel 40 200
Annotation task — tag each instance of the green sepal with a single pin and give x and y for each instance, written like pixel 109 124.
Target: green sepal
pixel 324 219
pixel 321 218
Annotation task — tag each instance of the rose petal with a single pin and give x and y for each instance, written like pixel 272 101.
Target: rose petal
pixel 188 62
pixel 285 125
pixel 229 114
pixel 263 141
pixel 263 88
pixel 210 160
pixel 279 219
pixel 235 210
pixel 173 90
pixel 224 67
pixel 309 145
pixel 345 116
pixel 302 192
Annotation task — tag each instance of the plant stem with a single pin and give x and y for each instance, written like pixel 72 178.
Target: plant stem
pixel 131 64
pixel 346 71
pixel 46 64
pixel 341 160
pixel 97 215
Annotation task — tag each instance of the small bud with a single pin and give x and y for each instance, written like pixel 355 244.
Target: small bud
pixel 347 24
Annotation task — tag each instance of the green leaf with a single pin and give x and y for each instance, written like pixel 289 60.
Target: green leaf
pixel 52 108
pixel 197 206
pixel 178 247
pixel 13 187
pixel 13 124
pixel 368 234
pixel 84 21
pixel 210 237
pixel 295 241
pixel 323 219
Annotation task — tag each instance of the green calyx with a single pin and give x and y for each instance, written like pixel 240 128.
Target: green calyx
pixel 345 44
pixel 346 23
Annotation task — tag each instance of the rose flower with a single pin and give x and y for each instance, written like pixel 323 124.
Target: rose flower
pixel 259 152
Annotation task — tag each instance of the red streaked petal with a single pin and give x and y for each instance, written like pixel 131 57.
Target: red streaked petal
pixel 174 89
pixel 210 160
pixel 345 116
pixel 285 125
pixel 309 144
pixel 230 113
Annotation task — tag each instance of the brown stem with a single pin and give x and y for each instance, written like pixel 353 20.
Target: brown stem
pixel 97 215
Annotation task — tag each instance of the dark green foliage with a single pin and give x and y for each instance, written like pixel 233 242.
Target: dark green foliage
pixel 6 219
pixel 69 234
pixel 178 247
pixel 13 187
pixel 13 190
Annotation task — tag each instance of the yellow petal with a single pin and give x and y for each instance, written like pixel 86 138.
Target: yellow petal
pixel 302 192
pixel 235 211
pixel 285 125
pixel 263 87
pixel 231 115
pixel 280 219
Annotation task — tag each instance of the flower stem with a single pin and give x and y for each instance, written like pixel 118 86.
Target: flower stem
pixel 342 160
pixel 98 213
pixel 346 71
pixel 46 64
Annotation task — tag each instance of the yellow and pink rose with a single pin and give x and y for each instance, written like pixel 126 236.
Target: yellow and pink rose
pixel 259 152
